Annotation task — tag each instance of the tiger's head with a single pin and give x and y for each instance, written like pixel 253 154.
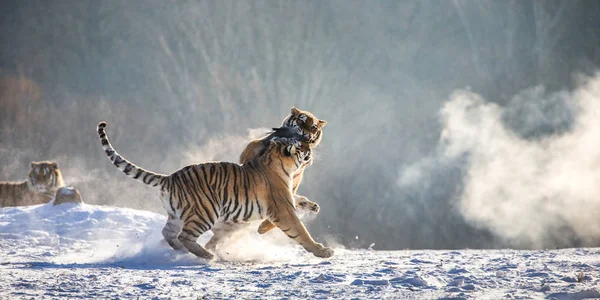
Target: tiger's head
pixel 306 124
pixel 291 152
pixel 44 176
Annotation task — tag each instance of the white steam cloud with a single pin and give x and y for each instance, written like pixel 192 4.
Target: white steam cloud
pixel 530 190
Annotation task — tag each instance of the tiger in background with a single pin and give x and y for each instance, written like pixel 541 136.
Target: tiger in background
pixel 198 196
pixel 299 124
pixel 43 181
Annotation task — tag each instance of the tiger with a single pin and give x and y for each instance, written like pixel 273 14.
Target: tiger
pixel 197 196
pixel 222 230
pixel 311 127
pixel 299 124
pixel 43 180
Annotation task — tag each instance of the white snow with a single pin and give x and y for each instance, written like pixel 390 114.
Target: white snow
pixel 80 250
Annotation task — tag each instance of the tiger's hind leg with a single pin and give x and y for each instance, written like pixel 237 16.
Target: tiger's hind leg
pixel 171 231
pixel 190 233
pixel 220 232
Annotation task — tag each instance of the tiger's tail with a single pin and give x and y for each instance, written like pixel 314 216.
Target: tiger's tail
pixel 131 170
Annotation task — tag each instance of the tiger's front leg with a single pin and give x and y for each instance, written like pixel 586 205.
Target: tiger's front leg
pixel 291 225
pixel 302 204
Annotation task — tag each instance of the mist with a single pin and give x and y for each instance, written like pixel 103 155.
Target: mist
pixel 450 124
pixel 529 192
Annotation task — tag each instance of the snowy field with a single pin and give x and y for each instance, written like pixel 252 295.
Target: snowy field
pixel 87 251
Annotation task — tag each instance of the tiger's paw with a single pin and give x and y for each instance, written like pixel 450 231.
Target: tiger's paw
pixel 305 205
pixel 265 227
pixel 324 252
pixel 211 247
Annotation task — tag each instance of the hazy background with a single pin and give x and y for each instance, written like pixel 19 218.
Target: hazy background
pixel 451 124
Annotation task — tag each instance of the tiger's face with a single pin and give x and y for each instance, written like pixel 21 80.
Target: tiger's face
pixel 305 124
pixel 294 153
pixel 44 176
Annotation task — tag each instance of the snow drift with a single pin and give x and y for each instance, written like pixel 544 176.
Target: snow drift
pixel 79 250
pixel 82 233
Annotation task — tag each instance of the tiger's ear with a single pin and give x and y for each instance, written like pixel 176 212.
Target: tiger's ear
pixel 33 164
pixel 322 123
pixel 54 165
pixel 294 111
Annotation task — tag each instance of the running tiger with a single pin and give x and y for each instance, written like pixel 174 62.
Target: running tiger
pixel 230 230
pixel 197 196
pixel 309 126
pixel 42 182
pixel 300 125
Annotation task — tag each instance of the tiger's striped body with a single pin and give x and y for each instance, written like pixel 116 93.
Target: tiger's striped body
pixel 43 180
pixel 198 196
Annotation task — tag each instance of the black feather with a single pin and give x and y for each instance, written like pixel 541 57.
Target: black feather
pixel 286 132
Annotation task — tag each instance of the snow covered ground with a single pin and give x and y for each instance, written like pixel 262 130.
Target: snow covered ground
pixel 80 251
